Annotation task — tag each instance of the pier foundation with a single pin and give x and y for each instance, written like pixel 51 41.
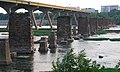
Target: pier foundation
pixel 43 45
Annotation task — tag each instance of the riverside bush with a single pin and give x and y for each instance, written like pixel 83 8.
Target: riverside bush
pixel 96 39
pixel 107 31
pixel 72 62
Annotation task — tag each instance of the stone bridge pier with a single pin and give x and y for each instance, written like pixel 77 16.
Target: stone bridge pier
pixel 20 33
pixel 100 23
pixel 5 58
pixel 83 26
pixel 93 25
pixel 64 31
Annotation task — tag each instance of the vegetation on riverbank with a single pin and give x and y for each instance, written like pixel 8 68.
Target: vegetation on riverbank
pixel 72 62
pixel 96 39
pixel 35 32
pixel 115 39
pixel 107 31
pixel 3 30
pixel 41 32
pixel 101 39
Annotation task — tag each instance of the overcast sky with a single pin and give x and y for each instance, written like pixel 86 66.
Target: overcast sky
pixel 79 3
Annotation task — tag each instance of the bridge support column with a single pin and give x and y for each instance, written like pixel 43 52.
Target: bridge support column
pixel 100 22
pixel 64 31
pixel 52 41
pixel 49 19
pixel 93 26
pixel 5 58
pixel 83 27
pixel 112 23
pixel 33 19
pixel 76 24
pixel 43 45
pixel 20 33
pixel 41 22
pixel 108 22
pixel 103 22
pixel 53 18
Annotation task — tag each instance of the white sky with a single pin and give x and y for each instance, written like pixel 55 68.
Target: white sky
pixel 81 3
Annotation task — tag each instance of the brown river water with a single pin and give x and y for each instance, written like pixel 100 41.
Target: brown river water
pixel 110 50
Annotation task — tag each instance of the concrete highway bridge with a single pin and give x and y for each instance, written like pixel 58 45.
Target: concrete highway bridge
pixel 20 26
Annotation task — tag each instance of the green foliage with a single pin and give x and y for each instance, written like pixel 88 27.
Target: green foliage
pixel 72 62
pixel 118 65
pixel 103 15
pixel 3 30
pixel 41 32
pixel 111 70
pixel 93 15
pixel 96 39
pixel 113 14
pixel 107 31
pixel 115 39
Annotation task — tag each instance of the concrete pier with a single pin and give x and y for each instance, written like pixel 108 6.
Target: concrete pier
pixel 5 58
pixel 93 26
pixel 20 33
pixel 64 30
pixel 83 27
pixel 43 45
pixel 100 23
pixel 52 40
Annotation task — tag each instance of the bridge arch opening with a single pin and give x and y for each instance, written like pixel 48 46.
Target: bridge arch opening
pixel 4 18
pixel 41 18
pixel 38 16
pixel 21 10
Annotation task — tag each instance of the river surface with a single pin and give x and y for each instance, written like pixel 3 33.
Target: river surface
pixel 110 50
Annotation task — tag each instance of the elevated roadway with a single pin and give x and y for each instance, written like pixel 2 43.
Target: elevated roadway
pixel 42 5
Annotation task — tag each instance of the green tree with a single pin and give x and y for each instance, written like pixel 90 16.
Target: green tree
pixel 114 12
pixel 72 62
pixel 103 15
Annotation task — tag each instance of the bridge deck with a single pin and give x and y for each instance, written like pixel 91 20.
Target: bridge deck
pixel 42 5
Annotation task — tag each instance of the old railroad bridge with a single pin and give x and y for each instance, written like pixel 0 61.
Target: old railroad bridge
pixel 20 26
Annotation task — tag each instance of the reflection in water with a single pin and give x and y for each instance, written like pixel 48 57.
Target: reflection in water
pixel 23 63
pixel 43 62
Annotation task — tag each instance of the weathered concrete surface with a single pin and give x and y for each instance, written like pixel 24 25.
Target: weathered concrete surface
pixel 52 40
pixel 64 30
pixel 43 45
pixel 5 58
pixel 20 33
pixel 100 23
pixel 83 27
pixel 93 25
pixel 112 23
